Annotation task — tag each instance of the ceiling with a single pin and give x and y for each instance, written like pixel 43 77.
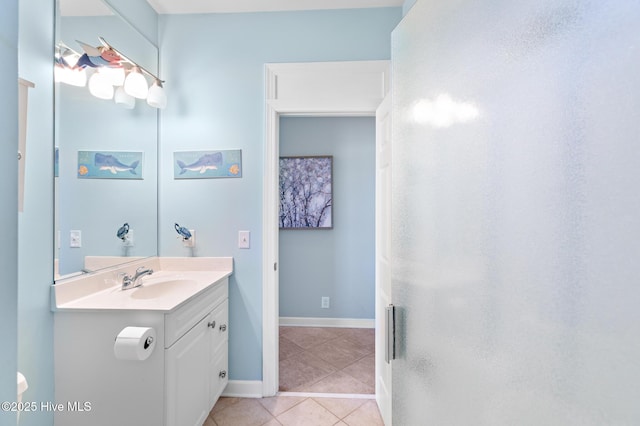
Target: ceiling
pixel 83 8
pixel 96 7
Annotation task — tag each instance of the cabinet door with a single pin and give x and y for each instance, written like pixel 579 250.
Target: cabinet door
pixel 187 386
pixel 219 364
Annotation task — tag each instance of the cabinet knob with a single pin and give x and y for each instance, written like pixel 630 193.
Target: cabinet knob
pixel 223 327
pixel 211 324
pixel 223 374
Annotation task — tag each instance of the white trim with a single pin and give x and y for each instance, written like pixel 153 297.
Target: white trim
pixel 314 88
pixel 328 322
pixel 243 389
pixel 270 287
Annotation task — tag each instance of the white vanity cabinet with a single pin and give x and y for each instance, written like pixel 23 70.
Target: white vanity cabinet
pixel 196 363
pixel 176 385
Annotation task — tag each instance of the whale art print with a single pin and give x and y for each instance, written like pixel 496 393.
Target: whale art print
pixel 207 164
pixel 109 165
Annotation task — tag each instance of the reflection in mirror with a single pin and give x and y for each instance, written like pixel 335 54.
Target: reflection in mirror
pixel 106 152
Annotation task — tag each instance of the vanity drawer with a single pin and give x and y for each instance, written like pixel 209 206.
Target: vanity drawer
pixel 180 321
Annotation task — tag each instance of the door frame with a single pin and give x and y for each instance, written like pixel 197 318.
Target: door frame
pixel 310 89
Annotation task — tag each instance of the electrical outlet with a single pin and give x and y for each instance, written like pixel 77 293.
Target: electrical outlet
pixel 128 242
pixel 75 238
pixel 191 242
pixel 325 302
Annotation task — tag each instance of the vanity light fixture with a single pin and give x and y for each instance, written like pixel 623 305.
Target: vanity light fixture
pixel 112 69
pixel 100 86
pixel 114 75
pixel 65 70
pixel 123 98
pixel 157 98
pixel 135 84
pixel 73 77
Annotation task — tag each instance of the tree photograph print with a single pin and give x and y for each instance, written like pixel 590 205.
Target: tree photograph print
pixel 306 192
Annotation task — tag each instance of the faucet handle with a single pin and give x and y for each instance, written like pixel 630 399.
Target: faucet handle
pixel 124 278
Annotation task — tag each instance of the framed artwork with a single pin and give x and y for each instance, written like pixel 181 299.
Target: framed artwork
pixel 207 164
pixel 306 192
pixel 109 165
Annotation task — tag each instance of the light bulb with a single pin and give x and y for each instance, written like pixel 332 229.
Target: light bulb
pixel 66 75
pixel 157 98
pixel 100 86
pixel 114 74
pixel 123 98
pixel 76 77
pixel 60 73
pixel 135 84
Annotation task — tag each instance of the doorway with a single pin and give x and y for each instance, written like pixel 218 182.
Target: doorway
pixel 328 347
pixel 310 89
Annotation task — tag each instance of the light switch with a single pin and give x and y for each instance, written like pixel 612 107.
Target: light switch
pixel 244 239
pixel 75 238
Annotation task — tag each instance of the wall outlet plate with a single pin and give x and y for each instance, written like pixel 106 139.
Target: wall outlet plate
pixel 324 304
pixel 75 238
pixel 191 242
pixel 128 241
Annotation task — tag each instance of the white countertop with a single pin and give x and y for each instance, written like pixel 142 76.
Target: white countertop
pixel 189 277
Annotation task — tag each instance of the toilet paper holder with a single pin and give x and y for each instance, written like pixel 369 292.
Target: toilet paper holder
pixel 134 343
pixel 148 342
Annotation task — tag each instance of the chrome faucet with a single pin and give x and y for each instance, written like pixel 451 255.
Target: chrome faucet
pixel 129 282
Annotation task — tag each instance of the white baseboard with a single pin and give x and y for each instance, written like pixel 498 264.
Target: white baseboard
pixel 328 395
pixel 328 322
pixel 244 388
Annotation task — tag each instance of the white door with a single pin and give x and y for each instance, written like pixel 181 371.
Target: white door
pixel 383 253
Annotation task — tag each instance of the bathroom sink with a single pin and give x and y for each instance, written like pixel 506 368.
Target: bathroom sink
pixel 174 281
pixel 156 288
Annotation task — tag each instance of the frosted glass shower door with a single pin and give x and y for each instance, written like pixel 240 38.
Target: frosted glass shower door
pixel 516 213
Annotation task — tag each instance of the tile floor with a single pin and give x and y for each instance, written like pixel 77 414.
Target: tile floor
pixel 316 364
pixel 327 360
pixel 294 411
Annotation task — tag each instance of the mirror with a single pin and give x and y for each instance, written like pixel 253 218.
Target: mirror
pixel 106 155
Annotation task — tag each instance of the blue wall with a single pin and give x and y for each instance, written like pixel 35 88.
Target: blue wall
pixel 140 15
pixel 35 248
pixel 214 67
pixel 338 263
pixel 9 205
